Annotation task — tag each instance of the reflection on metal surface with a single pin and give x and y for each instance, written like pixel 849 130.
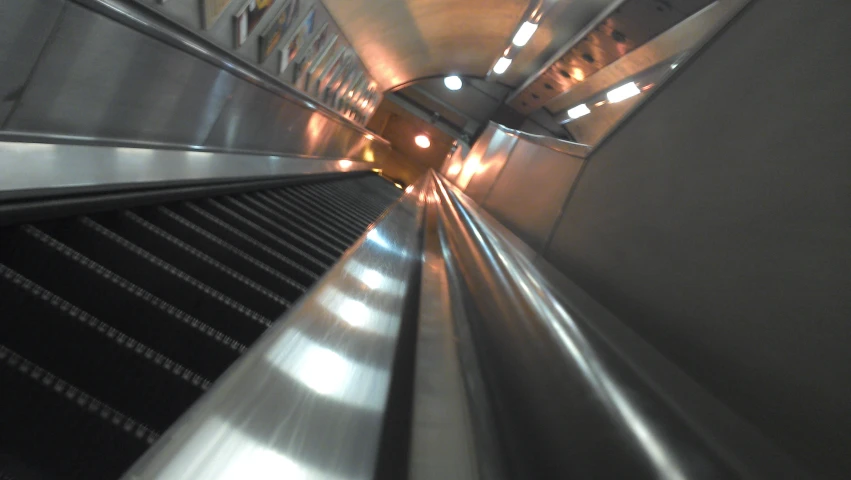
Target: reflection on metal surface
pixel 34 169
pixel 567 400
pixel 308 400
pixel 648 67
pixel 571 148
pixel 501 65
pixel 623 92
pixel 561 396
pixel 524 34
pixel 578 111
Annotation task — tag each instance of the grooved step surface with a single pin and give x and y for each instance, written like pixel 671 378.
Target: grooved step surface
pixel 113 324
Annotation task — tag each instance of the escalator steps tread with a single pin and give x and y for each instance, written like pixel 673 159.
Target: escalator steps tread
pixel 113 324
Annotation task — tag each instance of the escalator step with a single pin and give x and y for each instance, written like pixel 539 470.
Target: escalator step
pixel 102 293
pixel 162 279
pixel 52 428
pixel 129 375
pixel 306 272
pixel 225 252
pixel 113 324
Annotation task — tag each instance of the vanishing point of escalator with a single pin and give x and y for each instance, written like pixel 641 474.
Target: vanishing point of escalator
pixel 112 324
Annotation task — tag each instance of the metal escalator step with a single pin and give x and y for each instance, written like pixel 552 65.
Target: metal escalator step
pixel 144 308
pixel 226 252
pixel 306 272
pixel 51 428
pixel 272 240
pixel 196 263
pixel 344 199
pixel 100 292
pixel 277 224
pixel 310 222
pixel 362 194
pixel 162 279
pixel 93 355
pixel 328 213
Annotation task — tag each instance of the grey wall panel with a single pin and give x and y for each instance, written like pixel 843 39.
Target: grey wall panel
pixel 490 165
pixel 528 195
pixel 99 78
pixel 715 221
pixel 24 29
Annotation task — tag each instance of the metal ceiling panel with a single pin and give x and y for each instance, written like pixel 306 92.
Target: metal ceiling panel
pixel 629 26
pixel 403 41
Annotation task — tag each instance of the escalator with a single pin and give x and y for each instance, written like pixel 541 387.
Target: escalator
pixel 115 321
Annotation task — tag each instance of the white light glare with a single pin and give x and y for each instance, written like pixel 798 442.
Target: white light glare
pixel 501 65
pixel 524 34
pixel 578 111
pixel 674 66
pixel 453 82
pixel 422 141
pixel 454 169
pixel 623 92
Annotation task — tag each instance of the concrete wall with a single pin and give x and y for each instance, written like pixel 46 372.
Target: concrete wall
pixel 716 223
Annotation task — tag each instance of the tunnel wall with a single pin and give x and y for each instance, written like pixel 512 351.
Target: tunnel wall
pixel 68 70
pixel 716 222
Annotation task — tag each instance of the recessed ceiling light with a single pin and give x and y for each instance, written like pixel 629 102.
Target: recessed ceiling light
pixel 422 141
pixel 453 82
pixel 623 92
pixel 524 33
pixel 501 65
pixel 578 111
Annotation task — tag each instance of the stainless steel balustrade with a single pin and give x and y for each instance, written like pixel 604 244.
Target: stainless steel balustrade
pixel 536 380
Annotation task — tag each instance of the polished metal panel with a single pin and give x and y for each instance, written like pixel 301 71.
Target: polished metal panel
pixel 452 166
pixel 649 66
pixel 135 16
pixel 100 78
pixel 579 150
pixel 36 169
pixel 570 401
pixel 471 161
pixel 529 194
pixel 490 165
pixel 24 29
pixel 308 400
pixel 442 436
pixel 632 24
pixel 559 25
pixel 684 36
pixel 404 41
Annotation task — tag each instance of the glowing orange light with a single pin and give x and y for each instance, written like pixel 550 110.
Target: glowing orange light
pixel 422 141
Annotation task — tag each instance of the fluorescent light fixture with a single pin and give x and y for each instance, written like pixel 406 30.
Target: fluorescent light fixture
pixel 501 65
pixel 578 111
pixel 422 141
pixel 623 92
pixel 453 82
pixel 524 34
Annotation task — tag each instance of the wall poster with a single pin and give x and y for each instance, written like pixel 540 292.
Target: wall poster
pixel 276 30
pixel 211 10
pixel 304 31
pixel 247 19
pixel 314 48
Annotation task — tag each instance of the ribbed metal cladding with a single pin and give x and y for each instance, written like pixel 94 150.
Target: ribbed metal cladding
pixel 113 324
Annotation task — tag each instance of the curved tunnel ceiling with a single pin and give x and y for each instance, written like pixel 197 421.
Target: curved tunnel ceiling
pixel 401 41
